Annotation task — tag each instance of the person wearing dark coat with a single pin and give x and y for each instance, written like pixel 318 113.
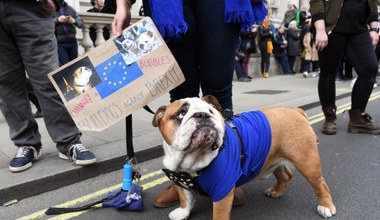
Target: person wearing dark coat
pixel 66 21
pixel 279 49
pixel 293 49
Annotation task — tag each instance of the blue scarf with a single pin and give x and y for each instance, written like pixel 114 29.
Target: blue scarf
pixel 169 19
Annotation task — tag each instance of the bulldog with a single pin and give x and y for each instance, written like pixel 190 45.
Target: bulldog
pixel 204 153
pixel 82 77
pixel 146 42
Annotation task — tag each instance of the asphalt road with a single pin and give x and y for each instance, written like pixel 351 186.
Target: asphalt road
pixel 350 164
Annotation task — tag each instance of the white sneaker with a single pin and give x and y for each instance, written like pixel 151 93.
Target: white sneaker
pixel 305 74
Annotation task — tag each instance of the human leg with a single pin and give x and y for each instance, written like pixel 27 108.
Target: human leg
pixel 363 58
pixel 185 52
pixel 247 57
pixel 329 62
pixel 14 102
pixel 73 52
pixel 63 54
pixel 33 98
pixel 216 79
pixel 58 121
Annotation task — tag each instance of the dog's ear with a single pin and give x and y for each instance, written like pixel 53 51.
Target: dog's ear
pixel 212 101
pixel 158 116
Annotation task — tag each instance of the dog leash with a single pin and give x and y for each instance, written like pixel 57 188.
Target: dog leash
pixel 242 152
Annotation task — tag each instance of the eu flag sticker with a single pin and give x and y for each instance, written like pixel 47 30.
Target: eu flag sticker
pixel 115 74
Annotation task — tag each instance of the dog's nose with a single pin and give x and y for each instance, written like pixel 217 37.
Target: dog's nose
pixel 201 115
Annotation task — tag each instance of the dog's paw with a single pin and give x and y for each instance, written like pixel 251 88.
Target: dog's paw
pixel 271 192
pixel 179 214
pixel 325 212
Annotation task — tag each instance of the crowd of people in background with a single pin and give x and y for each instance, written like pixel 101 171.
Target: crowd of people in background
pixel 286 43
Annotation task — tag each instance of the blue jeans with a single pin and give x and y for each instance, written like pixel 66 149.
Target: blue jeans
pixel 206 53
pixel 67 52
pixel 35 53
pixel 284 64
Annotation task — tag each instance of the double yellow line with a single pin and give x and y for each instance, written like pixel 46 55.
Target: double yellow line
pixel 90 197
pixel 95 195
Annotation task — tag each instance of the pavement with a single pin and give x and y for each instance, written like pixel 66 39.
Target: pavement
pixel 50 172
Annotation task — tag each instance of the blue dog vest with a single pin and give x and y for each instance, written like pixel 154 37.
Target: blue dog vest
pixel 227 170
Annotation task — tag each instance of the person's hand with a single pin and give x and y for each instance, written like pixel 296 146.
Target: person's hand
pixel 374 37
pixel 70 20
pixel 122 17
pixel 321 40
pixel 49 6
pixel 62 19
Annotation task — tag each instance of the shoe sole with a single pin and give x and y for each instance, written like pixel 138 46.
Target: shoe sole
pixel 329 132
pixel 20 169
pixel 26 166
pixel 78 162
pixel 363 131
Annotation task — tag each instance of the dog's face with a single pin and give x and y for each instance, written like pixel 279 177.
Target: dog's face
pixel 192 130
pixel 82 77
pixel 128 44
pixel 146 42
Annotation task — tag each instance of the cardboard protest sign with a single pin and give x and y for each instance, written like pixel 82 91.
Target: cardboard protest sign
pixel 118 77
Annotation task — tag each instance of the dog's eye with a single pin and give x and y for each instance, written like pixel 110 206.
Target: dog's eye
pixel 182 113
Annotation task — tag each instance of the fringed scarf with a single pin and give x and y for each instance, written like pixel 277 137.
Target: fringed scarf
pixel 169 19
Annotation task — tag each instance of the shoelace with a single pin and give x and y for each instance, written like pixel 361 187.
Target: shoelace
pixel 23 151
pixel 77 147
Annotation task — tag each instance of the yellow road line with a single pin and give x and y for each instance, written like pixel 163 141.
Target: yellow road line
pixel 319 117
pixel 100 193
pixel 82 200
pixel 75 214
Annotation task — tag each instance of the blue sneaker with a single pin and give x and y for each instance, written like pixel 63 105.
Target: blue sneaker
pixel 79 155
pixel 23 158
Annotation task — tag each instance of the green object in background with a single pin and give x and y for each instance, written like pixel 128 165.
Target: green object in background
pixel 298 17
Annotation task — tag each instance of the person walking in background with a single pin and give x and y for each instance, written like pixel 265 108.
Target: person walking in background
pixel 202 35
pixel 349 28
pixel 32 47
pixel 66 21
pixel 266 46
pixel 293 49
pixel 279 49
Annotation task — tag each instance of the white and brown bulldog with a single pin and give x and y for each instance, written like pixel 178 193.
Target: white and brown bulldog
pixel 212 156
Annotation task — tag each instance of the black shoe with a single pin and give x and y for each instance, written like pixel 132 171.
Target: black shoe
pixel 79 154
pixel 23 158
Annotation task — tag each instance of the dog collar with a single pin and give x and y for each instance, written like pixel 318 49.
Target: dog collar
pixel 185 180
